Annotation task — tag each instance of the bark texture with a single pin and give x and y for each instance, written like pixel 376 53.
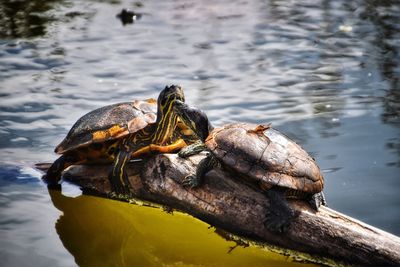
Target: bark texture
pixel 230 203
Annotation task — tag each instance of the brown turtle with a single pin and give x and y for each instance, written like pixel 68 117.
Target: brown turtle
pixel 262 155
pixel 118 132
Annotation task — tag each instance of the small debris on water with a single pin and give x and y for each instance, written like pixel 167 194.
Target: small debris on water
pixel 128 16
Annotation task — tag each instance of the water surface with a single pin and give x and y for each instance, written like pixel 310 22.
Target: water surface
pixel 324 72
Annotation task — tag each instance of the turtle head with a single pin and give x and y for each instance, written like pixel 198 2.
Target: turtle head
pixel 169 95
pixel 166 118
pixel 193 118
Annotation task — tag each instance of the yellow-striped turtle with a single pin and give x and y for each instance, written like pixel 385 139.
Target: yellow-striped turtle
pixel 118 132
pixel 260 154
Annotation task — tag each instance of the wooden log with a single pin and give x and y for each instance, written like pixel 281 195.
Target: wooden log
pixel 231 204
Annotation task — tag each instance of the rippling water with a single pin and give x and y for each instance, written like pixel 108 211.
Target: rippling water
pixel 324 72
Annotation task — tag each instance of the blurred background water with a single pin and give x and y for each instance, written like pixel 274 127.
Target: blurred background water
pixel 324 72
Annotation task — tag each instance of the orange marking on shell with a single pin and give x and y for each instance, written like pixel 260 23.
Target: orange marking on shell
pixel 115 130
pixel 151 101
pixel 100 135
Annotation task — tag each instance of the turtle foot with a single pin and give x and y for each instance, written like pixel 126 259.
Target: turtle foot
pixel 279 222
pixel 317 200
pixel 120 195
pixel 184 154
pixel 279 214
pixel 191 150
pixel 119 189
pixel 191 181
pixel 118 175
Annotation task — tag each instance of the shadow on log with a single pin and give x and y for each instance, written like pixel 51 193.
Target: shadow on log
pixel 230 204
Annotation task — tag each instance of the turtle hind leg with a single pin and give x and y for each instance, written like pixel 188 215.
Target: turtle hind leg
pixel 205 165
pixel 53 174
pixel 280 214
pixel 118 176
pixel 317 200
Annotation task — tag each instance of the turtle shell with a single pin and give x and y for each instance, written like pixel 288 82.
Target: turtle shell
pixel 267 156
pixel 108 123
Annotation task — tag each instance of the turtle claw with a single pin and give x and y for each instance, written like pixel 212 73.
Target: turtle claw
pixel 115 195
pixel 279 214
pixel 274 225
pixel 191 150
pixel 278 223
pixel 317 200
pixel 184 154
pixel 121 190
pixel 190 181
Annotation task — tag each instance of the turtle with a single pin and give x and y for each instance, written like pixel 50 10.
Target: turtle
pixel 128 16
pixel 262 155
pixel 117 132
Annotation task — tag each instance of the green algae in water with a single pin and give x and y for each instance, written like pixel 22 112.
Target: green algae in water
pixel 102 232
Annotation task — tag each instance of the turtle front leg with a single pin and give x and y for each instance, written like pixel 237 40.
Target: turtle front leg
pixel 192 149
pixel 118 176
pixel 204 166
pixel 280 214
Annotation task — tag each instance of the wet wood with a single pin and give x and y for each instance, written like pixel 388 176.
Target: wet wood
pixel 229 203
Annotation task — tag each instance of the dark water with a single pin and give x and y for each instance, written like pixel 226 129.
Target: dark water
pixel 324 72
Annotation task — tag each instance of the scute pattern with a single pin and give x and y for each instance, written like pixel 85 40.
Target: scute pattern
pixel 109 122
pixel 270 158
